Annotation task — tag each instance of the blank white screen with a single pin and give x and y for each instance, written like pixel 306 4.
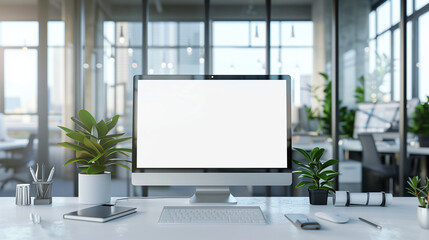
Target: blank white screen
pixel 211 124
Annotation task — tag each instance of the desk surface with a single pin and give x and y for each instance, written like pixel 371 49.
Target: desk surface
pixel 355 146
pixel 398 222
pixel 12 144
pixel 383 147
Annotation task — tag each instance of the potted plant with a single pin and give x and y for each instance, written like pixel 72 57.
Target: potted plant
pixel 95 151
pixel 419 123
pixel 321 178
pixel 422 194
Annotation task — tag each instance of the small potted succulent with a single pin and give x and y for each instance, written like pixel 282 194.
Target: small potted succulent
pixel 422 194
pixel 95 151
pixel 318 176
pixel 419 123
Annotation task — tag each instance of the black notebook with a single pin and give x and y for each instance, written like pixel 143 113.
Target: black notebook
pixel 101 213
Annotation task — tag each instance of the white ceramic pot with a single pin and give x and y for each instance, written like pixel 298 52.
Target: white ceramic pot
pixel 94 188
pixel 423 217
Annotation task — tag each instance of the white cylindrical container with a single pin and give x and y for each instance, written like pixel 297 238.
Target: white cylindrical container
pixel 23 194
pixel 94 188
pixel 423 217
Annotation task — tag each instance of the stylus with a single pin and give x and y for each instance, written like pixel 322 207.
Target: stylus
pixel 370 223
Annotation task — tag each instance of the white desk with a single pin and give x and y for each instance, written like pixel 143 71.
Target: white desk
pixel 13 144
pixel 398 222
pixel 382 147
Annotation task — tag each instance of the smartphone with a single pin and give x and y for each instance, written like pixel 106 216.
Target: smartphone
pixel 303 222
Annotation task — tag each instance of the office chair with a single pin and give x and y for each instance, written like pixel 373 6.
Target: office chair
pixel 373 168
pixel 19 164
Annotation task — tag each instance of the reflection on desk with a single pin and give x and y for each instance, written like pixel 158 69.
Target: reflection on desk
pixel 398 221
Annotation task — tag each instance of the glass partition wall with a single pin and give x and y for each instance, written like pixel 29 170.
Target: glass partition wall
pixel 370 87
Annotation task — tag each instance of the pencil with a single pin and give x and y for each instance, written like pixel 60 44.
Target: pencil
pixel 370 223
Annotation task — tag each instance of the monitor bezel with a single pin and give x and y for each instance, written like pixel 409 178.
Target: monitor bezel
pixel 287 78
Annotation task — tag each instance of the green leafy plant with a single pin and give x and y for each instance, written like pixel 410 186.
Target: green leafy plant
pixel 419 122
pixel 320 178
pixel 360 90
pixel 95 149
pixel 422 193
pixel 344 115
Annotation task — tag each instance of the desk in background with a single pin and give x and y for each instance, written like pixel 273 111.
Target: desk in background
pixel 398 222
pixel 382 147
pixel 13 144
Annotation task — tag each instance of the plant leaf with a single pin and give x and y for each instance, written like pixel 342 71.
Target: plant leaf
pixel 114 150
pixel 313 152
pixel 87 119
pixel 84 155
pixel 96 158
pixel 80 160
pixel 304 153
pixel 75 136
pixel 112 123
pixel 94 132
pixel 92 144
pixel 83 169
pixel 304 166
pixel 102 129
pixel 113 142
pixel 112 136
pixel 302 184
pixel 67 130
pixel 318 155
pixel 122 165
pixel 80 124
pixel 329 189
pixel 72 146
pixel 328 163
pixel 96 169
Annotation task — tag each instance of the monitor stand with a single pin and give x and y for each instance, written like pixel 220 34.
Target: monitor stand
pixel 213 194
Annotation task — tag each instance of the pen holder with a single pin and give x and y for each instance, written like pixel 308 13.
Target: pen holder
pixel 43 192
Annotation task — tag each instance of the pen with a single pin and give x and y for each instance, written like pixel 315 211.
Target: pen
pixel 370 223
pixel 37 170
pixel 33 175
pixel 51 174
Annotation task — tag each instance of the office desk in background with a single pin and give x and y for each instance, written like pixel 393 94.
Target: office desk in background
pixel 398 221
pixel 13 144
pixel 354 145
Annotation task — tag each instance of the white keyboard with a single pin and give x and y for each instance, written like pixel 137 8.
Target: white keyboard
pixel 213 214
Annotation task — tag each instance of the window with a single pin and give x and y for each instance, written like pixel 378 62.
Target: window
pixel 383 81
pixel 292 54
pixel 421 3
pixel 176 48
pixel 383 17
pixel 239 47
pixel 423 61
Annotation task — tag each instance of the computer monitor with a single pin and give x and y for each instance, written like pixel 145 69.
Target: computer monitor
pixel 212 132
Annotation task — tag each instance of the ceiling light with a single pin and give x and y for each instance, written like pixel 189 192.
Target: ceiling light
pixel 121 36
pixel 189 51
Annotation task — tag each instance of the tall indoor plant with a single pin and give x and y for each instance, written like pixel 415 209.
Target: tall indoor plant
pixel 95 151
pixel 319 178
pixel 420 124
pixel 422 194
